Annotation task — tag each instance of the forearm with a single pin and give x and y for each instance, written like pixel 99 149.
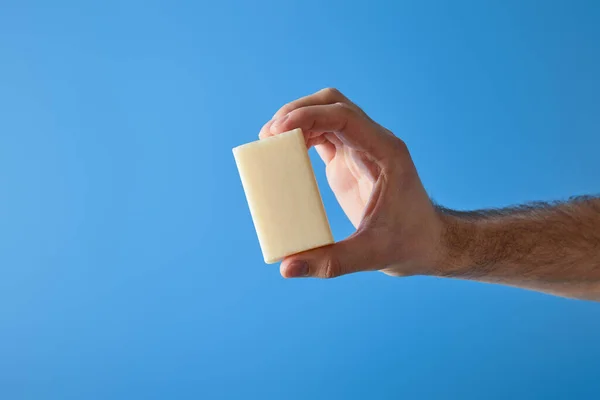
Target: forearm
pixel 554 248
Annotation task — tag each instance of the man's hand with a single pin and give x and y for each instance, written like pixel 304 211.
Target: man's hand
pixel 553 248
pixel 398 230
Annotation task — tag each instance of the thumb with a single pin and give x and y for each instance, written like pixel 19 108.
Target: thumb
pixel 357 253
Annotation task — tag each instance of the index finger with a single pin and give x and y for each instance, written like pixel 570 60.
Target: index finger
pixel 349 126
pixel 322 97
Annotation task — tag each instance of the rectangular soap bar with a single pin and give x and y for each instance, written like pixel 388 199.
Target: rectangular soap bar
pixel 283 196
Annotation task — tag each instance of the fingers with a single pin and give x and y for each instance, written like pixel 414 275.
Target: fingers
pixel 350 127
pixel 322 97
pixel 351 255
pixel 325 148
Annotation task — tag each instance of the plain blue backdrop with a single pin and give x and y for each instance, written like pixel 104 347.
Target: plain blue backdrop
pixel 129 265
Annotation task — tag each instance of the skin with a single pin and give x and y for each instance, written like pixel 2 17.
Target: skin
pixel 553 248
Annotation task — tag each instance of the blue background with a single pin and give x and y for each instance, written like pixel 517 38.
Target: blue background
pixel 129 264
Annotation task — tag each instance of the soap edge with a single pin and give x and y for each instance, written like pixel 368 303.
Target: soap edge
pixel 316 186
pixel 256 142
pixel 253 217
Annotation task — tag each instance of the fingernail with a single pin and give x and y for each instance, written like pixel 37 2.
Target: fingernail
pixel 278 122
pixel 297 269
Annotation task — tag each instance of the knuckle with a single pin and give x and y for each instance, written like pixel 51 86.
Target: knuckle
pixel 332 268
pixel 396 143
pixel 332 93
pixel 300 113
pixel 347 115
pixel 344 108
pixel 285 109
pixel 401 146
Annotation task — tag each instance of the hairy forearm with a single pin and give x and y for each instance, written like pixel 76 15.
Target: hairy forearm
pixel 554 248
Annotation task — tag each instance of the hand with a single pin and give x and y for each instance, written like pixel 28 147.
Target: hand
pixel 370 171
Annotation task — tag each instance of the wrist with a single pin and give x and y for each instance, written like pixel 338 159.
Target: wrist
pixel 457 238
pixel 442 249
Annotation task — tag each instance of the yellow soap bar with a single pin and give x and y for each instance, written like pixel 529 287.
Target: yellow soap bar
pixel 283 196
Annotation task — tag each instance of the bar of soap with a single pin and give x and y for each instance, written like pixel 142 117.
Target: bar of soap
pixel 283 196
